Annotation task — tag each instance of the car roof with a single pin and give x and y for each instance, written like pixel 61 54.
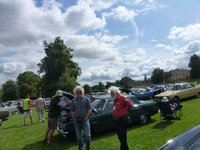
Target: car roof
pixel 181 83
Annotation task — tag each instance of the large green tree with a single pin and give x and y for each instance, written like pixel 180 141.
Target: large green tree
pixel 60 71
pixel 194 64
pixel 126 82
pixel 87 89
pixel 1 94
pixel 157 76
pixel 9 90
pixel 109 84
pixel 29 83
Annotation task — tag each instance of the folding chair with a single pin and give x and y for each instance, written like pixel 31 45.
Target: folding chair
pixel 178 107
pixel 166 112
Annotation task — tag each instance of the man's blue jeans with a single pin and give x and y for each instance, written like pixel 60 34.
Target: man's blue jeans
pixel 85 126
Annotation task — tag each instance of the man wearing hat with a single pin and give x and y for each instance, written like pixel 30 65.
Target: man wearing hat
pixel 54 111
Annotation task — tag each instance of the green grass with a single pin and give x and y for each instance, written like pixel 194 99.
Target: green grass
pixel 14 135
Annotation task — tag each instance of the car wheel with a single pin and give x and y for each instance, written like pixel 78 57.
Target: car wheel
pixel 143 119
pixel 198 95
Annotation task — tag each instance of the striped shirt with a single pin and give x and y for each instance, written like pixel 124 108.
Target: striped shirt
pixel 80 107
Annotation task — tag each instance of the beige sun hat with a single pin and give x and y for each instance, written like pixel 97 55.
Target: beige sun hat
pixel 165 99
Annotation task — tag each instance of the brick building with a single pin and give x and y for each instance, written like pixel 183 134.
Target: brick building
pixel 177 75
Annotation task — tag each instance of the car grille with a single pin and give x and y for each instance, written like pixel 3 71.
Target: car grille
pixel 189 143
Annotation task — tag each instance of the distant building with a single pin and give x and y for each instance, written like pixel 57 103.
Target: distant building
pixel 177 75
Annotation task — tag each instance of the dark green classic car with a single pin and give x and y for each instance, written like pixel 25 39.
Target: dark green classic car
pixel 101 119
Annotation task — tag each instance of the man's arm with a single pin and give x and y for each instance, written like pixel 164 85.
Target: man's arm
pixel 129 103
pixel 130 106
pixel 73 115
pixel 29 104
pixel 88 114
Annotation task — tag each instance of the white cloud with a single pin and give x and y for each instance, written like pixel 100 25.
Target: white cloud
pixel 167 47
pixel 138 63
pixel 82 16
pixel 188 33
pixel 121 13
pixel 136 57
pixel 103 4
pixel 99 47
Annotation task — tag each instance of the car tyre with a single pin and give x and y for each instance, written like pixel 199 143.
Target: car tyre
pixel 143 119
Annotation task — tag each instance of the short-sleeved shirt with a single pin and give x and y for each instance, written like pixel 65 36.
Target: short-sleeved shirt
pixel 120 107
pixel 54 109
pixel 80 107
pixel 40 104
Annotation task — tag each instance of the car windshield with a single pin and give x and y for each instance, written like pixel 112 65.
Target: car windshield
pixel 134 99
pixel 134 90
pixel 143 90
pixel 98 104
pixel 47 99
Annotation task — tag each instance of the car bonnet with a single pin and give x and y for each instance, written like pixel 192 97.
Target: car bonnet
pixel 189 140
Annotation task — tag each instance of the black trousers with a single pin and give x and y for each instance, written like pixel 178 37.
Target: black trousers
pixel 122 125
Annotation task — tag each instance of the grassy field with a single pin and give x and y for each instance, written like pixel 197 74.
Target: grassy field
pixel 15 136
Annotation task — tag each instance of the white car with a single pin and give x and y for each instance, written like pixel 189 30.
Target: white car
pixel 12 108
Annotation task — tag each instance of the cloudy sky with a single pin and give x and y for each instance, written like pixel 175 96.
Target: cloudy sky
pixel 111 38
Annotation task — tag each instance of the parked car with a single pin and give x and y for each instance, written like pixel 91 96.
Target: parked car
pixel 4 113
pixel 47 101
pixel 189 140
pixel 12 108
pixel 101 119
pixel 157 89
pixel 181 91
pixel 142 93
pixel 99 94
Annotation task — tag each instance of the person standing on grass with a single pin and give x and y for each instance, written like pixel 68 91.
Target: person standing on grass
pixel 54 112
pixel 27 109
pixel 20 105
pixel 81 110
pixel 121 107
pixel 40 108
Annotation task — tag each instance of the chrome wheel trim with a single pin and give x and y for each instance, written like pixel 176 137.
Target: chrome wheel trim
pixel 143 119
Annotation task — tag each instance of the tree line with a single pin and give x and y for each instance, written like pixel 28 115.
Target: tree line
pixel 57 70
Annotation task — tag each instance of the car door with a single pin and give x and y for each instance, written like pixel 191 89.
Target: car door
pixel 188 91
pixel 102 122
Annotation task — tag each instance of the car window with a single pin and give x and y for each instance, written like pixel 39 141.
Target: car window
pixel 190 86
pixel 98 104
pixel 184 87
pixel 134 99
pixel 176 87
pixel 108 106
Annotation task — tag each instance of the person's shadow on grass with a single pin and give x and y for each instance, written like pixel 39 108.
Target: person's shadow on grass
pixel 20 126
pixel 162 125
pixel 60 143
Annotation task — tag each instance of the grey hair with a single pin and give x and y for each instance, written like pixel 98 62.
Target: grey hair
pixel 80 88
pixel 114 89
